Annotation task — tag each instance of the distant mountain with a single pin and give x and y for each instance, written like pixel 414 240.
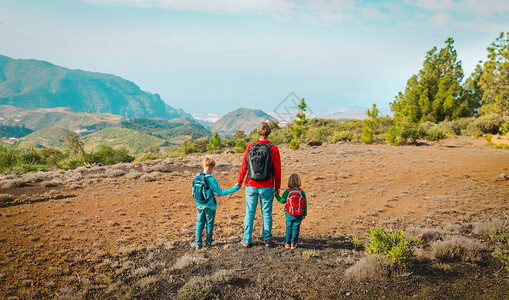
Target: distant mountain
pixel 32 84
pixel 241 119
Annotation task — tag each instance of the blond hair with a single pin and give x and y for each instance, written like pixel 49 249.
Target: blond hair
pixel 263 129
pixel 294 181
pixel 208 161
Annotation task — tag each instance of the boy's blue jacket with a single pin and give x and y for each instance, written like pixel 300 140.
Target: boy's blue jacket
pixel 214 189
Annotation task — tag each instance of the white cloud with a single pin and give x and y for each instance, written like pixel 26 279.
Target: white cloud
pixel 431 4
pixel 439 19
pixel 328 11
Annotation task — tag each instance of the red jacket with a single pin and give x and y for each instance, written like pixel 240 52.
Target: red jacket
pixel 275 179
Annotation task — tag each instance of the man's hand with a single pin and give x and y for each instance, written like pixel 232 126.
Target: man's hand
pixel 276 192
pixel 239 184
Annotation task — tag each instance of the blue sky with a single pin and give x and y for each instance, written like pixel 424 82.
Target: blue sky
pixel 215 56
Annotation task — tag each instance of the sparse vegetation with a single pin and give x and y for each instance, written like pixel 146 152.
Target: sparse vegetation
pixel 373 267
pixel 458 248
pixel 6 198
pixel 198 288
pixel 394 245
pixel 500 235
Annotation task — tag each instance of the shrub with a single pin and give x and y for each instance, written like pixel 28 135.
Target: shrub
pixel 240 146
pixel 487 124
pixel 412 133
pixel 108 156
pixel 342 136
pixel 488 138
pixel 134 174
pixel 294 145
pixel 222 276
pixel 456 247
pixel 394 245
pixel 6 198
pixel 393 136
pixel 504 129
pixel 17 182
pixel 372 267
pixel 501 236
pixel 187 260
pixel 435 134
pixel 148 178
pixel 455 127
pixel 114 173
pixel 196 288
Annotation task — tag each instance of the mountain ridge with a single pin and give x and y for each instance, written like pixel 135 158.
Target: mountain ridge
pixel 32 84
pixel 244 119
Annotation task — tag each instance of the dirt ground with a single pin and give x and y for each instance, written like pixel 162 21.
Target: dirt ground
pixel 127 230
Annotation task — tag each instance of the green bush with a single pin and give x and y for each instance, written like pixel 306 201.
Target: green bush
pixel 108 156
pixel 393 136
pixel 455 127
pixel 240 146
pixel 412 133
pixel 435 134
pixel 504 129
pixel 500 235
pixel 294 145
pixel 487 124
pixel 342 136
pixel 394 245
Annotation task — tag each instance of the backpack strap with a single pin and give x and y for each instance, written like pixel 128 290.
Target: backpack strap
pixel 207 186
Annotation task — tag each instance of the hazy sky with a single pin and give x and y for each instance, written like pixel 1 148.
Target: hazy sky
pixel 217 55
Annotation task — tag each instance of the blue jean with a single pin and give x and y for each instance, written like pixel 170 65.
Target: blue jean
pixel 266 196
pixel 206 216
pixel 292 228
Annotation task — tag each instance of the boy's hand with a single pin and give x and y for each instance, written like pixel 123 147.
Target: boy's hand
pixel 276 192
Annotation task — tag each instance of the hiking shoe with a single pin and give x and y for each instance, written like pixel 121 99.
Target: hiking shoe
pixel 287 246
pixel 198 248
pixel 245 244
pixel 293 246
pixel 268 244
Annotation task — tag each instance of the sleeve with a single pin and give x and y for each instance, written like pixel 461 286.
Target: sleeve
pixel 306 200
pixel 214 186
pixel 243 166
pixel 276 163
pixel 282 199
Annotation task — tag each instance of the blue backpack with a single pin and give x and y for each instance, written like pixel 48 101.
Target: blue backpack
pixel 200 187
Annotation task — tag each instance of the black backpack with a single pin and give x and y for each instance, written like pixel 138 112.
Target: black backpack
pixel 259 162
pixel 200 187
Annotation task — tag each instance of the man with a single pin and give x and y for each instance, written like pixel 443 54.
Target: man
pixel 262 165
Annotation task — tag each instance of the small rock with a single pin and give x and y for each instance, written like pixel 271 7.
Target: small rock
pixel 503 176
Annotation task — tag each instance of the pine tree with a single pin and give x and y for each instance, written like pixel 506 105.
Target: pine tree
pixel 214 142
pixel 299 127
pixel 370 125
pixel 75 143
pixel 434 94
pixel 495 78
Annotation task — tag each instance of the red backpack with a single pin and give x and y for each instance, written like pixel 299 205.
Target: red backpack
pixel 295 203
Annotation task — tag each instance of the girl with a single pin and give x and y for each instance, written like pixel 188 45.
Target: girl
pixel 295 210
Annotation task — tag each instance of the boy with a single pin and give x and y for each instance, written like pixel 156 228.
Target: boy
pixel 205 187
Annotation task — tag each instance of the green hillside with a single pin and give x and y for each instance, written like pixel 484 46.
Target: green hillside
pixel 241 119
pixel 33 84
pixel 136 142
pixel 53 117
pixel 14 131
pixel 46 137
